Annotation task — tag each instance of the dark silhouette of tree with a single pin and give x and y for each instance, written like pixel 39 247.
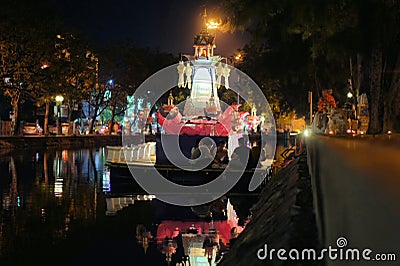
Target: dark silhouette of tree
pixel 18 60
pixel 78 70
pixel 321 44
pixel 27 50
pixel 127 67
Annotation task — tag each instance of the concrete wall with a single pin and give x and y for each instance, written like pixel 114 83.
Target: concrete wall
pixel 356 184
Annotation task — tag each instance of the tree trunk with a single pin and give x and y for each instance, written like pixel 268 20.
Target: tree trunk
pixel 375 92
pixel 392 101
pixel 111 129
pixel 70 125
pixel 15 106
pixel 93 120
pixel 46 119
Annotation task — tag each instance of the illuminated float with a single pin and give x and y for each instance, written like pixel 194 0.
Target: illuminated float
pixel 201 114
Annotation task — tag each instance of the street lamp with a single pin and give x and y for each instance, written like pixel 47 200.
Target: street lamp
pixel 349 95
pixel 238 57
pixel 59 100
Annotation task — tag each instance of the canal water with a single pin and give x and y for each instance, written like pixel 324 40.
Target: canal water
pixel 58 207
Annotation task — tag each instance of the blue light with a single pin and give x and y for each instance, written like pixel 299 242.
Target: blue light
pixel 110 82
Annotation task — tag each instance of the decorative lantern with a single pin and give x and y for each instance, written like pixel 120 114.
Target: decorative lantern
pixel 181 70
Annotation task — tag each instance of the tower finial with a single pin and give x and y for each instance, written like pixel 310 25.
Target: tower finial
pixel 205 17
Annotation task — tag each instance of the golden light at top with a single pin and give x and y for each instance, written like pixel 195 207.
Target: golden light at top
pixel 211 24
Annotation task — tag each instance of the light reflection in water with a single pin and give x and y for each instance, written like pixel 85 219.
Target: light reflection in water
pixel 106 180
pixel 115 204
pixel 41 204
pixel 56 204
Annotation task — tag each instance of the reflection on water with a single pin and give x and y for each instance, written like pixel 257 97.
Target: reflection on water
pixel 46 196
pixel 115 204
pixel 58 208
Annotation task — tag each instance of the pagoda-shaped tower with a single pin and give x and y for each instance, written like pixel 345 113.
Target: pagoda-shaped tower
pixel 204 43
pixel 203 96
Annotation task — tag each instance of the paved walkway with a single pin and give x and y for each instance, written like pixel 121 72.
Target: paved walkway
pixel 356 184
pixel 377 157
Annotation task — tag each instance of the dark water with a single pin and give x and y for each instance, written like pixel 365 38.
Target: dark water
pixel 54 212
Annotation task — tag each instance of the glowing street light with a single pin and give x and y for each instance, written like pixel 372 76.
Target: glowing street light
pixel 59 100
pixel 349 95
pixel 306 132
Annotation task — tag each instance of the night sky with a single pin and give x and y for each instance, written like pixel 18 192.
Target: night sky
pixel 168 26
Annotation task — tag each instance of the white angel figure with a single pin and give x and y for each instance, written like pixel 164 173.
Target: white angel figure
pixel 181 70
pixel 218 71
pixel 253 110
pixel 226 74
pixel 188 72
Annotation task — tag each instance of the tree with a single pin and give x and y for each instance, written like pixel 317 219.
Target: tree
pixel 127 67
pixel 47 84
pixel 27 49
pixel 18 52
pixel 315 40
pixel 117 103
pixel 47 81
pixel 78 70
pixel 97 104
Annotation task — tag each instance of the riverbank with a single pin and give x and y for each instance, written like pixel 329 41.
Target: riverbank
pixel 283 217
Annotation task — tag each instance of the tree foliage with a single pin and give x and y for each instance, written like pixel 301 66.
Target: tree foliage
pixel 19 58
pixel 127 67
pixel 40 58
pixel 320 44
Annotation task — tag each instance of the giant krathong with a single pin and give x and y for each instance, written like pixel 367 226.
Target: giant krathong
pixel 202 76
pixel 202 113
pixel 216 105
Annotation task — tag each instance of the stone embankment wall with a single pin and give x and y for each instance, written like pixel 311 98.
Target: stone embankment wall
pixel 282 218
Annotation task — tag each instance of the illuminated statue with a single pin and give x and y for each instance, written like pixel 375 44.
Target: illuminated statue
pixel 188 72
pixel 181 70
pixel 218 71
pixel 226 74
pixel 253 110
